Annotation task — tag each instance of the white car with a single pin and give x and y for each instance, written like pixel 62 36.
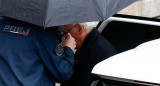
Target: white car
pixel 137 40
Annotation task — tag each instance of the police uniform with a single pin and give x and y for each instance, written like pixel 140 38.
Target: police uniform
pixel 29 55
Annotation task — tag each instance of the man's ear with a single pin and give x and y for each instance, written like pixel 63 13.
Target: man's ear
pixel 79 28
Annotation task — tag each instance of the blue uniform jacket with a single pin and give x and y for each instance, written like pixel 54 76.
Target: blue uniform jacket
pixel 27 55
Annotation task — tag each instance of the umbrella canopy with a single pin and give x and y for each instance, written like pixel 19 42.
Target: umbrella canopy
pixel 48 13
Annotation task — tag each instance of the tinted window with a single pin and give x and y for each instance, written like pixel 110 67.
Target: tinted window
pixel 125 36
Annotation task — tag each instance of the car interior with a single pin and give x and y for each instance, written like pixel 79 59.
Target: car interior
pixel 128 35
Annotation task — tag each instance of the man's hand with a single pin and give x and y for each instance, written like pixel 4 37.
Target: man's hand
pixel 69 41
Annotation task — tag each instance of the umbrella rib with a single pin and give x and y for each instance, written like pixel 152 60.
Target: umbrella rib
pixel 100 14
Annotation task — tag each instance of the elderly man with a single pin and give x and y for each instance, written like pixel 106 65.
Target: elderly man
pixel 91 49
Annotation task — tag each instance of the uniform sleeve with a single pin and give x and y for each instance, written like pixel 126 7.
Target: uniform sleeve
pixel 64 65
pixel 60 67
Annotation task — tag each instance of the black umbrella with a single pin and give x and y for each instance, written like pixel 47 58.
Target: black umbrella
pixel 49 13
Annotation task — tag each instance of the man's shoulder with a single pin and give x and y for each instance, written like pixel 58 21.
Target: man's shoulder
pixel 103 46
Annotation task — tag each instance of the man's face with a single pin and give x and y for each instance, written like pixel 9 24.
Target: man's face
pixel 72 30
pixel 68 29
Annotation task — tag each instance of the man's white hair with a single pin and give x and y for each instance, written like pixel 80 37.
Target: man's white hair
pixel 89 25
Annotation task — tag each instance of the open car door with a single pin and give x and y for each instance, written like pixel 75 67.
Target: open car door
pixel 137 41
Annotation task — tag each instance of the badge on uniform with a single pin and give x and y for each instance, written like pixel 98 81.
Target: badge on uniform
pixel 59 50
pixel 16 29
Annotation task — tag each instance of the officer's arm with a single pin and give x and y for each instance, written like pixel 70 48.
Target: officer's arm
pixel 60 67
pixel 64 65
pixel 68 43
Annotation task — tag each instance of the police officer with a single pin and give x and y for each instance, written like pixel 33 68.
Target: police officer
pixel 31 56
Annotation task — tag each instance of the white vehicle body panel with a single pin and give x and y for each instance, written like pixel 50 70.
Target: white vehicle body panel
pixel 141 63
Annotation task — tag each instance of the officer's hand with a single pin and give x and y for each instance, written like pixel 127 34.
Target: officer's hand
pixel 69 41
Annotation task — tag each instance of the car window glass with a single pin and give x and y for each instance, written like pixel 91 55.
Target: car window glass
pixel 125 36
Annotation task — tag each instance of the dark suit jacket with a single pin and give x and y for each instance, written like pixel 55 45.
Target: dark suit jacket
pixel 95 49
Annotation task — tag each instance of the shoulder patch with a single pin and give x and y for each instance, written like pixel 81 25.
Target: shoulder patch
pixel 16 29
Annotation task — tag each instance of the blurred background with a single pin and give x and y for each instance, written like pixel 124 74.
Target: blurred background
pixel 145 8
